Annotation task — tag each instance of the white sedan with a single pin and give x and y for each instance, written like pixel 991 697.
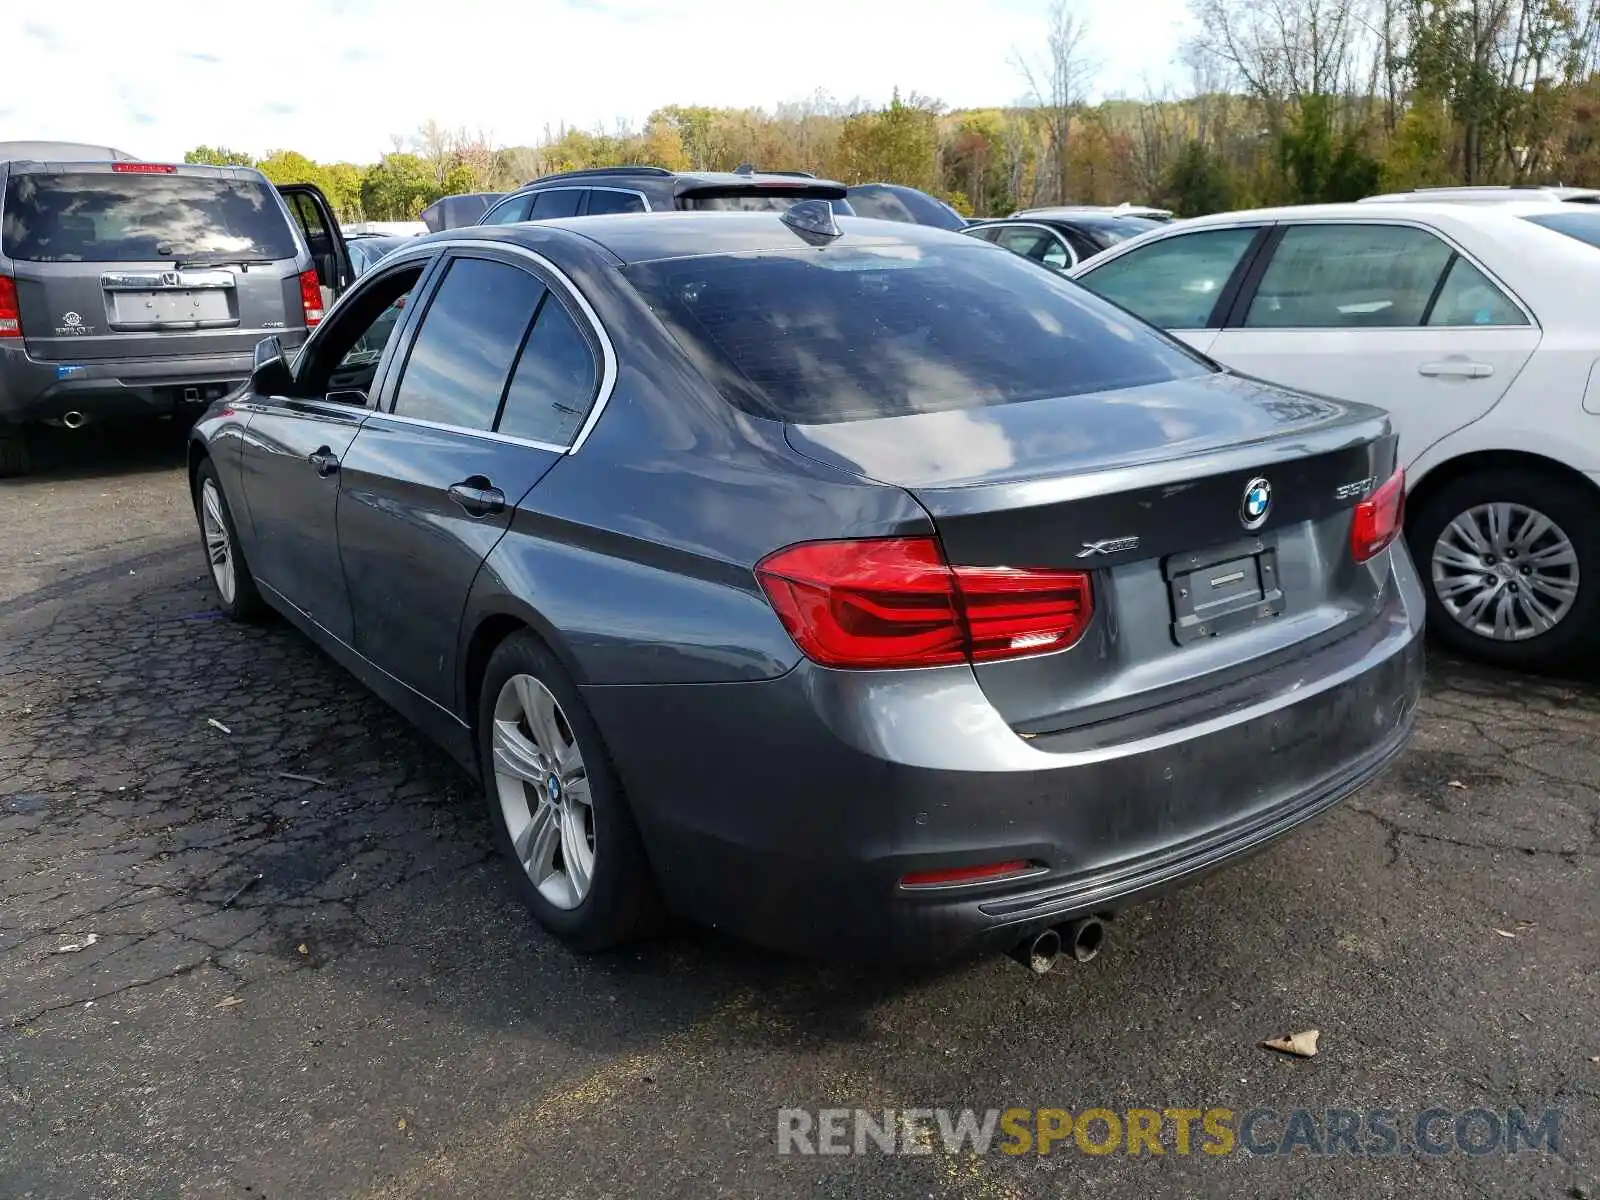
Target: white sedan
pixel 1478 327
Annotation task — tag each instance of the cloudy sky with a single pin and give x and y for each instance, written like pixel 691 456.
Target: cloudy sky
pixel 337 79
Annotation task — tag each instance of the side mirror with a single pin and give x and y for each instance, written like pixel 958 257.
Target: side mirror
pixel 270 374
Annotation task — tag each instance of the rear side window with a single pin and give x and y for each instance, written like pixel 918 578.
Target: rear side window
pixel 1173 283
pixel 1469 298
pixel 466 345
pixel 136 217
pixel 1349 277
pixel 847 333
pixel 1580 226
pixel 555 380
pixel 603 200
pixel 557 202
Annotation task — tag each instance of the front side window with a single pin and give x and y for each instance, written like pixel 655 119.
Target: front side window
pixel 509 213
pixel 1349 277
pixel 137 217
pixel 468 340
pixel 1176 282
pixel 350 349
pixel 850 332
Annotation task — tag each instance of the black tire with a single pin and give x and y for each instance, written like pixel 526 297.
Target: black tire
pixel 246 604
pixel 622 903
pixel 1574 508
pixel 15 458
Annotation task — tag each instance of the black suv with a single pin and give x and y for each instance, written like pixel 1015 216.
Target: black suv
pixel 655 189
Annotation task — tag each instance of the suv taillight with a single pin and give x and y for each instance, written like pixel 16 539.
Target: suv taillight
pixel 10 311
pixel 895 602
pixel 1378 518
pixel 311 298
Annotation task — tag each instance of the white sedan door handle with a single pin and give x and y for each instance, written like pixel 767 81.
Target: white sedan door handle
pixel 1458 367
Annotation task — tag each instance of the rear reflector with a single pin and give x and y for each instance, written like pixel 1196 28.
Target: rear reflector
pixel 1378 518
pixel 895 602
pixel 141 168
pixel 311 298
pixel 953 875
pixel 10 311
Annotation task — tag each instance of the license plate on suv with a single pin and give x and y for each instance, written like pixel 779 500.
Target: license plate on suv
pixel 1223 590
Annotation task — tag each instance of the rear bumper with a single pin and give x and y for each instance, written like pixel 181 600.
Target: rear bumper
pixel 35 390
pixel 787 811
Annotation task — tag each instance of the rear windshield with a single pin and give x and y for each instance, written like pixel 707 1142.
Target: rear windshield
pixel 848 333
pixel 103 217
pixel 753 200
pixel 1582 226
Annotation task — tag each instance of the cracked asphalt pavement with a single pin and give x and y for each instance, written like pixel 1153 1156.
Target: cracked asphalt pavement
pixel 277 959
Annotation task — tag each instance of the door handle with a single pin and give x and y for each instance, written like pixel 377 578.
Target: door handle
pixel 1459 368
pixel 477 496
pixel 324 460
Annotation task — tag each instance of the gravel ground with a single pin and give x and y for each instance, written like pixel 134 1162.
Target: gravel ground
pixel 309 977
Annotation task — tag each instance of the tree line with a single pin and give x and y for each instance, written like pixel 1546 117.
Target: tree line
pixel 1287 101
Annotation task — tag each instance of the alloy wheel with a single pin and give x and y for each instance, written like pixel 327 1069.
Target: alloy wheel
pixel 543 789
pixel 1505 571
pixel 219 545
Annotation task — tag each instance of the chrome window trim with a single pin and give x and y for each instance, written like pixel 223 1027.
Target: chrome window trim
pixel 608 354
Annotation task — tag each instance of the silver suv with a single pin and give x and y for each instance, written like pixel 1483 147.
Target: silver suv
pixel 132 288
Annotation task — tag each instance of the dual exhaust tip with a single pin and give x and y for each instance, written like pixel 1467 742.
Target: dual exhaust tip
pixel 74 420
pixel 1081 938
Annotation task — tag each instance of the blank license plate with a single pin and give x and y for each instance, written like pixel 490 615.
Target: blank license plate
pixel 175 306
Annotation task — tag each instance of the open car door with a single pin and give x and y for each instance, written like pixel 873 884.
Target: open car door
pixel 319 225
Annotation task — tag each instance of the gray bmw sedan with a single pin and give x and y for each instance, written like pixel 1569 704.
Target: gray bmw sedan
pixel 859 588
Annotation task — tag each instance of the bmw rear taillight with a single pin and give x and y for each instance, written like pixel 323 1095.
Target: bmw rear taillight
pixel 896 602
pixel 10 310
pixel 311 298
pixel 1378 518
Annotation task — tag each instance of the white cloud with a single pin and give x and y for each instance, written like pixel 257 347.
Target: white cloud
pixel 335 79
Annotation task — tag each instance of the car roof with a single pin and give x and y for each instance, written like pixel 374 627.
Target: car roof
pixel 650 237
pixel 1437 210
pixel 61 152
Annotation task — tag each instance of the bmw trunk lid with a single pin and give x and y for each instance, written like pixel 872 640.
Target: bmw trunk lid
pixel 1213 515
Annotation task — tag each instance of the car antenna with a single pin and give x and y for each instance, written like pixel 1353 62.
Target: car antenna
pixel 745 169
pixel 813 220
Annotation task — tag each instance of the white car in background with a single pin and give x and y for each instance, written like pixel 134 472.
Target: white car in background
pixel 1477 326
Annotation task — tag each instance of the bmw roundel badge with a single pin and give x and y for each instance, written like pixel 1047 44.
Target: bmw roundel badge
pixel 1257 503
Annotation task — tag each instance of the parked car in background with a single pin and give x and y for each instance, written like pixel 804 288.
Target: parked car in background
pixel 1475 325
pixel 1161 215
pixel 1061 238
pixel 602 190
pixel 895 202
pixel 1488 195
pixel 865 592
pixel 138 289
pixel 455 212
pixel 367 249
pixel 385 229
pixel 61 152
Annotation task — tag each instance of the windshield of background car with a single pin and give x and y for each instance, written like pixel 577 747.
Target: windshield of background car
pixel 1106 232
pixel 847 333
pixel 366 251
pixel 94 217
pixel 1581 226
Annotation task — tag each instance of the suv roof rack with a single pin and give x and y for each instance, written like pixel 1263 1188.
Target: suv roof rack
pixel 601 172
